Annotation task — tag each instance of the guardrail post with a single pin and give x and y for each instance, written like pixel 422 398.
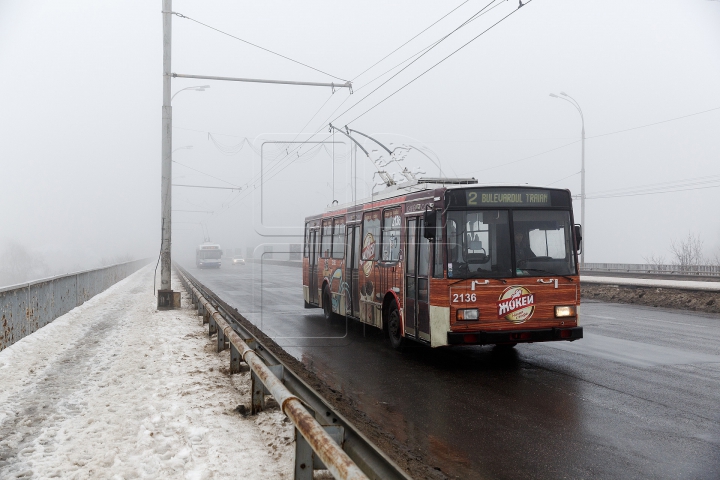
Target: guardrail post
pixel 222 342
pixel 258 394
pixel 305 459
pixel 212 328
pixel 234 359
pixel 206 316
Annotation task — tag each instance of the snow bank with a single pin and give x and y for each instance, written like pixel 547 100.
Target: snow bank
pixel 115 389
pixel 649 282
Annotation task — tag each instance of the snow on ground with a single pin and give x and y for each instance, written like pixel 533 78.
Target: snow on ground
pixel 651 282
pixel 115 389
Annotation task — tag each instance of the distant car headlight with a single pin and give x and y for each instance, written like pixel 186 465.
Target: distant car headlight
pixel 468 314
pixel 565 311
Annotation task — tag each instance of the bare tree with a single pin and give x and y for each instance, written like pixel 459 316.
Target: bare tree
pixel 654 262
pixel 687 252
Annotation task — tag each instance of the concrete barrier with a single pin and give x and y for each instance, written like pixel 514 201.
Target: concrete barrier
pixel 28 307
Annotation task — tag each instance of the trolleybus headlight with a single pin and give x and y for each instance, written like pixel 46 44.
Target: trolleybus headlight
pixel 565 311
pixel 468 314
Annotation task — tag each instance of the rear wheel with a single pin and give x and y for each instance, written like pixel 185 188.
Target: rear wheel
pixel 394 327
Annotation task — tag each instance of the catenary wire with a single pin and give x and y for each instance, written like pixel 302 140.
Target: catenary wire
pixel 413 38
pixel 655 123
pixel 180 15
pixel 431 68
pixel 479 12
pixel 426 49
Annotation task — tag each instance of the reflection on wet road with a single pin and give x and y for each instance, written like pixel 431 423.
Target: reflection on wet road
pixel 637 398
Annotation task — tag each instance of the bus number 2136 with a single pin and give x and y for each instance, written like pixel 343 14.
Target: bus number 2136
pixel 464 298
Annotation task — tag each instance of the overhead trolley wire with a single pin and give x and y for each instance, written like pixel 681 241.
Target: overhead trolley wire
pixel 291 160
pixel 199 171
pixel 289 153
pixel 655 123
pixel 429 47
pixel 427 50
pixel 697 183
pixel 429 69
pixel 479 13
pixel 413 38
pixel 180 15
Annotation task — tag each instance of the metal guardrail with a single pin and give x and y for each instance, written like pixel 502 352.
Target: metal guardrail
pixel 323 438
pixel 696 270
pixel 27 307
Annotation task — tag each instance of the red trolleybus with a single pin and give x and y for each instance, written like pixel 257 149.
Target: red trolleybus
pixel 448 262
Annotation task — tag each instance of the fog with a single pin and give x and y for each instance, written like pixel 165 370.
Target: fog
pixel 81 95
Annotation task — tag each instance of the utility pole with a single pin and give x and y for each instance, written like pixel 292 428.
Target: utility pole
pixel 165 294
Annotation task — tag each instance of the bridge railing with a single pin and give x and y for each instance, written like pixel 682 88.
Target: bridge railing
pixel 27 307
pixel 696 270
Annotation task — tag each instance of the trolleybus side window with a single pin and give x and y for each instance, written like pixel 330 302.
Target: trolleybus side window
pixel 338 243
pixel 326 239
pixel 371 236
pixel 478 244
pixel 391 235
pixel 438 264
pixel 307 234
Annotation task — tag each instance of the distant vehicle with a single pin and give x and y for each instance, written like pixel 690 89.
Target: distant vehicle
pixel 238 261
pixel 208 255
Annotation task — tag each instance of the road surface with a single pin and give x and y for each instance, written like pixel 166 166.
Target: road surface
pixel 638 397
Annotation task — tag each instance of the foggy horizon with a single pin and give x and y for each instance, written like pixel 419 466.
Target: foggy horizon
pixel 82 100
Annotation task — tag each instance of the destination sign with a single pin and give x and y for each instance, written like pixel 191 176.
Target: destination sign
pixel 508 198
pixel 493 197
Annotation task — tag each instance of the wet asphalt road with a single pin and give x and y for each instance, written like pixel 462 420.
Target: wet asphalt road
pixel 638 397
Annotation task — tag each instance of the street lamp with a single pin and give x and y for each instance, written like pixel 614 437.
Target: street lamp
pixel 200 88
pixel 575 104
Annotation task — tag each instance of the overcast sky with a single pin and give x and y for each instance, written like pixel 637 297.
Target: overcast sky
pixel 81 95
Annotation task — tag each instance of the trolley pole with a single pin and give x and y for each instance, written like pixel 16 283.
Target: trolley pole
pixel 165 293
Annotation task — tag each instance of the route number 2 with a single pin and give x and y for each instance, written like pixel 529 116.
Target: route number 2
pixel 464 298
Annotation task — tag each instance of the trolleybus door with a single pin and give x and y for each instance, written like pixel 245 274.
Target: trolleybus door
pixel 313 282
pixel 417 288
pixel 352 263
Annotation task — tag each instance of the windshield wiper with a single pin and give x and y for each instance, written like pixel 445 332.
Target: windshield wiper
pixel 549 272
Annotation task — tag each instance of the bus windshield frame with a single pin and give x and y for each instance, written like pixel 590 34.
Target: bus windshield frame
pixel 509 243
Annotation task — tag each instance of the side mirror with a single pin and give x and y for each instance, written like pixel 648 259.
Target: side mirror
pixel 578 238
pixel 430 220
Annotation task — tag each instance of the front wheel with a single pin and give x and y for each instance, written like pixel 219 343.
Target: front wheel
pixel 394 327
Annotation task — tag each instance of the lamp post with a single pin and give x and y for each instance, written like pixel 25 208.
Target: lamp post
pixel 199 88
pixel 575 104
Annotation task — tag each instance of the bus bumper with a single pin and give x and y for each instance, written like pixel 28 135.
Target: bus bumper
pixel 515 336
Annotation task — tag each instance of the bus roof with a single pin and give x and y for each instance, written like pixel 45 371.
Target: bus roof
pixel 423 184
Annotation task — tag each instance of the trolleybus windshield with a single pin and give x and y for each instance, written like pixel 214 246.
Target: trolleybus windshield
pixel 479 243
pixel 543 243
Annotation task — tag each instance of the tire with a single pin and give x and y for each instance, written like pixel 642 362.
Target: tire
pixel 327 304
pixel 394 327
